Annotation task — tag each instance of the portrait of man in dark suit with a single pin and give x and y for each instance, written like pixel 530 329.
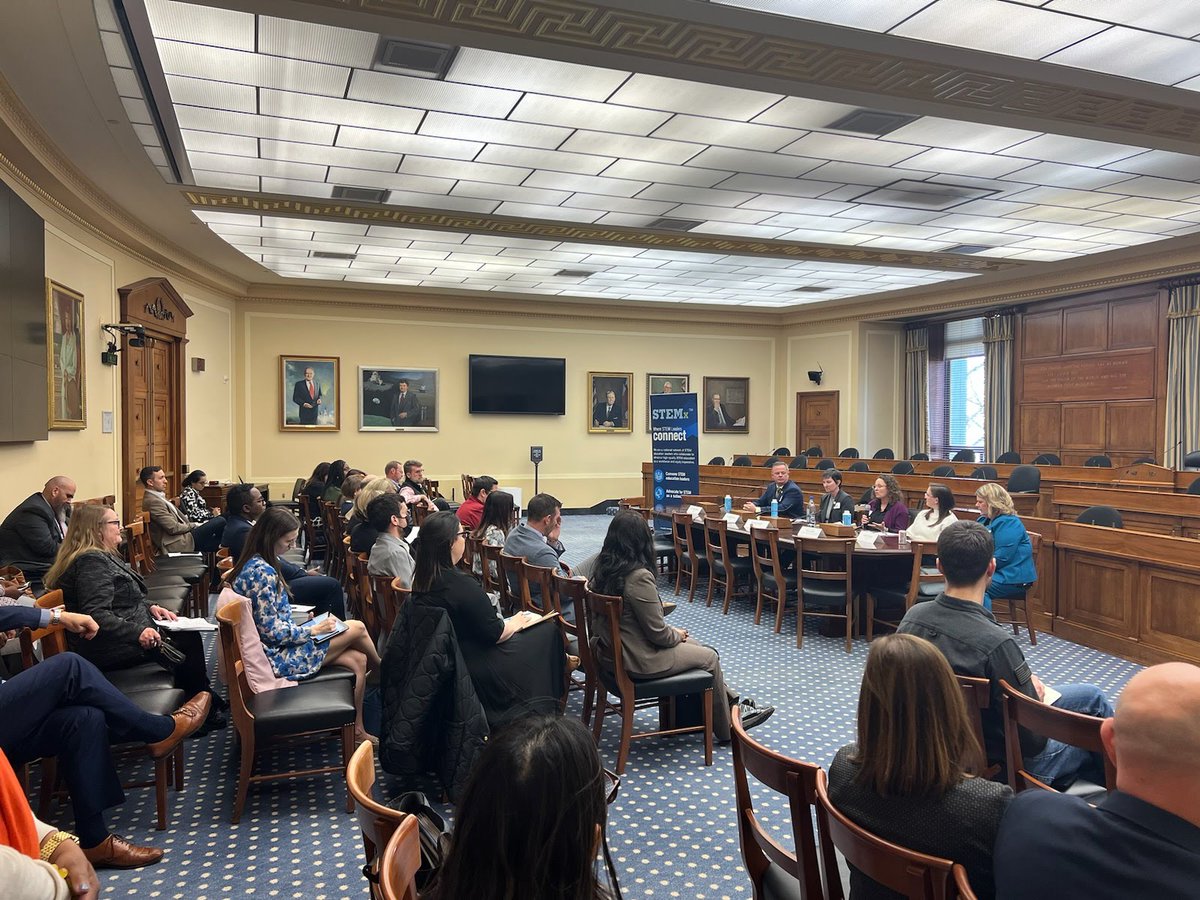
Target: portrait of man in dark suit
pixel 609 402
pixel 307 396
pixel 406 408
pixel 727 404
pixel 393 399
pixel 309 391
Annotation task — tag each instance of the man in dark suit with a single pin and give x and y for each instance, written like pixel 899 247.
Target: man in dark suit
pixel 836 501
pixel 717 416
pixel 536 539
pixel 307 395
pixel 406 409
pixel 65 708
pixel 608 414
pixel 1140 840
pixel 32 533
pixel 782 489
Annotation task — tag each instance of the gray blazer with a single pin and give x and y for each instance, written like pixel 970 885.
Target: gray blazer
pixel 525 541
pixel 390 556
pixel 170 531
pixel 647 641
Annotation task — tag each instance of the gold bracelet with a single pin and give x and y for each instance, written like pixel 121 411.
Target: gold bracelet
pixel 53 842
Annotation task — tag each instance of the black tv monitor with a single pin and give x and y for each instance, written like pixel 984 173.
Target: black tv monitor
pixel 517 385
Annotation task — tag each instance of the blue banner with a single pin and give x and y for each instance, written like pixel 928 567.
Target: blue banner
pixel 674 447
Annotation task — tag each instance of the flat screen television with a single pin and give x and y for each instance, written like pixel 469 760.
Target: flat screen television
pixel 518 385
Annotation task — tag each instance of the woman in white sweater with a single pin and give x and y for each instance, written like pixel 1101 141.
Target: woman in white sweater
pixel 937 516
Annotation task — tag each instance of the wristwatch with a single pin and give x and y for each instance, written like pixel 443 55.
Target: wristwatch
pixel 53 842
pixel 56 619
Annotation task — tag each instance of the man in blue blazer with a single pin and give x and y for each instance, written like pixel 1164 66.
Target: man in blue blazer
pixel 783 489
pixel 536 539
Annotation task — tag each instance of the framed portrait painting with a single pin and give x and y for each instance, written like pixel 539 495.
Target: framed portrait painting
pixel 309 393
pixel 610 395
pixel 65 359
pixel 392 399
pixel 726 403
pixel 664 384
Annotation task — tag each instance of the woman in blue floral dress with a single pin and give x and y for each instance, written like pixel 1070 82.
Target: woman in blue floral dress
pixel 291 648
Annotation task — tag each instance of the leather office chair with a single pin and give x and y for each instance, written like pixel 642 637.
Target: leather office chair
pixel 1106 516
pixel 922 457
pixel 904 467
pixel 924 583
pixel 1192 460
pixel 1143 459
pixel 606 613
pixel 1100 461
pixel 814 451
pixel 849 453
pixel 800 462
pixel 741 460
pixel 859 466
pixel 885 453
pixel 825 464
pixel 1009 458
pixel 781 451
pixel 1194 487
pixel 963 456
pixel 717 461
pixel 867 496
pixel 1047 459
pixel 1025 480
pixel 770 461
pixel 774 871
pixel 943 472
pixel 988 473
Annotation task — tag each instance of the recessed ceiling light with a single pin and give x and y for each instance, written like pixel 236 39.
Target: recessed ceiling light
pixel 417 58
pixel 327 254
pixel 871 121
pixel 669 224
pixel 361 195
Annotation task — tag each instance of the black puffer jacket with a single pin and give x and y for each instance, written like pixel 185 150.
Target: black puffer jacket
pixel 432 718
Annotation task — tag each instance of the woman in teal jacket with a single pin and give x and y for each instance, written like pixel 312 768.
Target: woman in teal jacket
pixel 1015 572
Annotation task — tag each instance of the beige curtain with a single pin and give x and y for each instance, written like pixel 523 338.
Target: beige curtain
pixel 916 391
pixel 1183 373
pixel 998 360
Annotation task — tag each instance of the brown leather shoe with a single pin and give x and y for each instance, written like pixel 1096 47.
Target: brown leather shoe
pixel 188 718
pixel 117 853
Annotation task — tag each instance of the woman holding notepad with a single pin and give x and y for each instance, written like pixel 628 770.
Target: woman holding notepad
pixel 297 651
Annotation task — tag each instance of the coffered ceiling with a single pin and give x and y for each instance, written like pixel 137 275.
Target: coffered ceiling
pixel 759 153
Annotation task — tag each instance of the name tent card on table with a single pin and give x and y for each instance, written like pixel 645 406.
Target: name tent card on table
pixel 868 540
pixel 810 532
pixel 757 523
pixel 732 518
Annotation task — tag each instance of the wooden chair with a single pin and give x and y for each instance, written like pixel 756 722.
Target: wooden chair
pixel 489 562
pixel 401 861
pixel 324 707
pixel 538 579
pixel 574 589
pixel 470 554
pixel 1009 616
pixel 963 884
pixel 389 595
pixel 1072 728
pixel 773 581
pixel 360 580
pixel 633 695
pixel 825 588
pixel 310 525
pixel 333 527
pixel 923 581
pixel 724 567
pixel 467 481
pixel 167 589
pixel 915 875
pixel 762 854
pixel 686 558
pixel 376 821
pixel 977 692
pixel 511 589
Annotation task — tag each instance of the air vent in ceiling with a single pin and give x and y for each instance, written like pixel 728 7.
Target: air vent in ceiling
pixel 359 195
pixel 668 224
pixel 574 273
pixel 967 248
pixel 326 254
pixel 811 290
pixel 416 58
pixel 927 195
pixel 871 121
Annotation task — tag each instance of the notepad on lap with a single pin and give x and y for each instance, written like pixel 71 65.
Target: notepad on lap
pixel 322 638
pixel 183 623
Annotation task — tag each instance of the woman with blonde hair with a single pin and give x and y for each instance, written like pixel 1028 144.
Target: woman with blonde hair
pixel 905 779
pixel 1015 572
pixel 95 581
pixel 362 535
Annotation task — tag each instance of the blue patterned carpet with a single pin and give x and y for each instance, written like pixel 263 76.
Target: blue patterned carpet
pixel 672 828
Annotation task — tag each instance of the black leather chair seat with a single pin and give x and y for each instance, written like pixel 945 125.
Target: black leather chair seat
pixel 824 593
pixel 158 701
pixel 146 676
pixel 692 681
pixel 663 545
pixel 701 565
pixel 330 673
pixel 740 565
pixel 315 706
pixel 779 885
pixel 789 579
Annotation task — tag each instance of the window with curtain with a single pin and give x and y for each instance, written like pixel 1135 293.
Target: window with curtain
pixel 958 392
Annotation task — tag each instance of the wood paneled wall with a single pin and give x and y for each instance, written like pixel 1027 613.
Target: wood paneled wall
pixel 1090 376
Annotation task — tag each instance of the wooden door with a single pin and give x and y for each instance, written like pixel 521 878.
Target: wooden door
pixel 817 421
pixel 152 396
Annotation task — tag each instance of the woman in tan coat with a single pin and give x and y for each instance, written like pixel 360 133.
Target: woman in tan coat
pixel 651 647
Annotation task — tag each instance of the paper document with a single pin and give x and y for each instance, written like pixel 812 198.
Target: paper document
pixel 183 623
pixel 412 535
pixel 324 636
pixel 1050 695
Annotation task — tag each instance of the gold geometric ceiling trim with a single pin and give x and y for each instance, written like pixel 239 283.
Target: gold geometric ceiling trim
pixel 442 220
pixel 666 38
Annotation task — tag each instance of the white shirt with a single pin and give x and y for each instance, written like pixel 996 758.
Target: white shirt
pixel 923 528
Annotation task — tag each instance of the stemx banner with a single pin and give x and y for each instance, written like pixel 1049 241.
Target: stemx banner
pixel 674 447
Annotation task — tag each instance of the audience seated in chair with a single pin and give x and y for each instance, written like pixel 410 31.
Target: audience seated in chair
pixel 244 505
pixel 293 650
pixel 1143 839
pixel 516 834
pixel 905 779
pixel 782 490
pixel 96 582
pixel 170 529
pixel 65 708
pixel 493 528
pixel 1015 572
pixel 388 515
pixel 537 539
pixel 362 535
pixel 470 511
pixel 651 648
pixel 31 534
pixel 958 625
pixel 415 490
pixel 350 488
pixel 191 502
pixel 338 469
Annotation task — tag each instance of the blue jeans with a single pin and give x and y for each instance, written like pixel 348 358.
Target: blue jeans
pixel 1059 764
pixel 1003 591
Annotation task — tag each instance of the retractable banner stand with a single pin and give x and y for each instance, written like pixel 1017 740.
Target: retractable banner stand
pixel 674 447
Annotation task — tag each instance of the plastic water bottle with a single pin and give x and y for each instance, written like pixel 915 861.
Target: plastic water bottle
pixel 774 509
pixel 811 516
pixel 728 504
pixel 846 519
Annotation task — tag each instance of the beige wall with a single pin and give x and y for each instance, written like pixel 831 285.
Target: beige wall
pixel 580 468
